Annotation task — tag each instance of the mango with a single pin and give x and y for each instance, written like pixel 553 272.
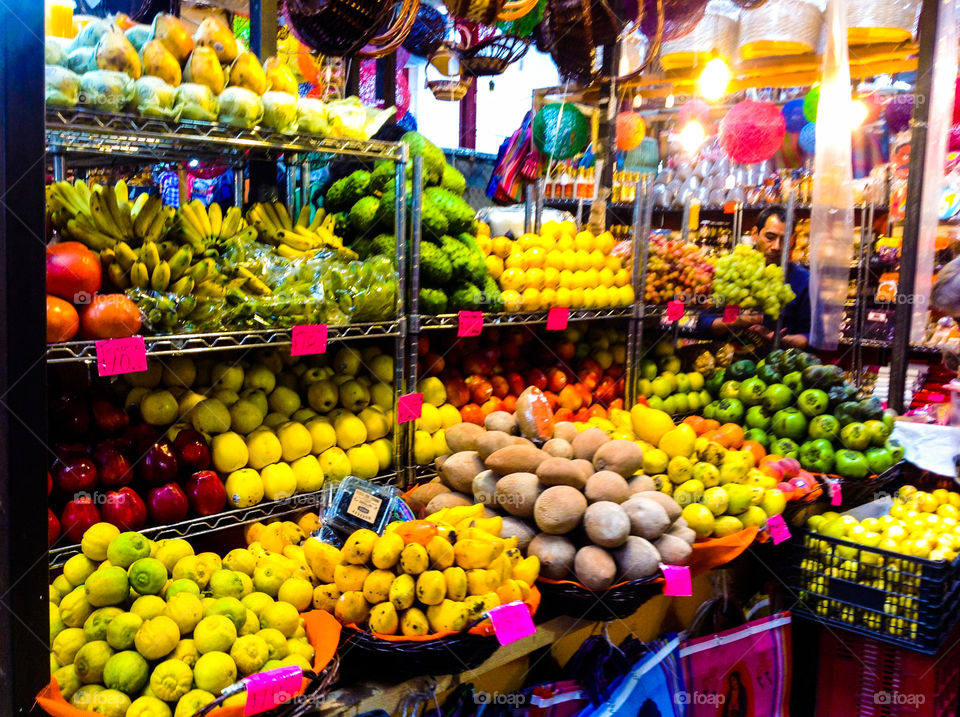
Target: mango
pixel 502 567
pixel 386 551
pixel 322 559
pixel 170 31
pixel 376 586
pixel 383 619
pixel 509 591
pixel 448 616
pixel 203 68
pixel 440 552
pixel 431 587
pixel 351 607
pixel 279 77
pixel 350 577
pixel 325 597
pixel 158 61
pixel 359 546
pixel 456 580
pixel 472 553
pixel 402 592
pixel 481 582
pixel 413 622
pixel 246 72
pixel 414 559
pixel 527 570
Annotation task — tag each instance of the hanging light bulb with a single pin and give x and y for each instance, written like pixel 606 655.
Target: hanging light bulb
pixel 637 101
pixel 668 103
pixel 713 81
pixel 692 136
pixel 858 113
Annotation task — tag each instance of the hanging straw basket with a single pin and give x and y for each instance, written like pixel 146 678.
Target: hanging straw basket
pixel 567 34
pixel 780 27
pixel 882 21
pixel 450 90
pixel 336 27
pixel 493 56
pixel 482 11
pixel 713 34
pixel 427 32
pixel 404 15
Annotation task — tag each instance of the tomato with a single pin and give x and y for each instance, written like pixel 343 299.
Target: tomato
pixel 509 403
pixel 62 320
pixel 73 272
pixel 471 413
pixel 110 316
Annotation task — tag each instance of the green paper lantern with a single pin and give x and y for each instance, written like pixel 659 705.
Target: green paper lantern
pixel 560 131
pixel 810 103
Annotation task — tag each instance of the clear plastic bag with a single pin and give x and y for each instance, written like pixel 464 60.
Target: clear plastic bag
pixel 196 102
pixel 280 111
pixel 240 107
pixel 62 86
pixel 106 90
pixel 152 97
pixel 55 51
pixel 312 117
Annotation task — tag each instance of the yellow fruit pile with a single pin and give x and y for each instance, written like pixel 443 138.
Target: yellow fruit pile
pixel 558 267
pixel 414 581
pixel 436 416
pixel 138 626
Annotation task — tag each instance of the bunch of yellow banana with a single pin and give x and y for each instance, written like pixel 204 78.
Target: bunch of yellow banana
pixel 295 239
pixel 202 227
pixel 163 266
pixel 101 216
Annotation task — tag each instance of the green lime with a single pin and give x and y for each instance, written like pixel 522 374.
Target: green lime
pixel 112 703
pixel 61 585
pixel 281 615
pixel 95 627
pixel 67 644
pixel 127 548
pixel 214 671
pixel 300 646
pixel 157 637
pixel 148 576
pixel 56 624
pixel 171 680
pixel 298 660
pixel 149 707
pixel 83 698
pixel 215 633
pixel 191 703
pixel 122 630
pixel 78 568
pixel 90 661
pixel 107 586
pixel 180 586
pixel 230 607
pixel 67 680
pixel 126 671
pixel 75 608
pixel 225 583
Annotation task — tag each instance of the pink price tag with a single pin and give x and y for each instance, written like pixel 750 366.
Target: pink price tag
pixel 674 310
pixel 116 356
pixel 937 398
pixel 409 407
pixel 266 690
pixel 778 529
pixel 511 622
pixel 730 313
pixel 836 494
pixel 308 339
pixel 730 208
pixel 678 581
pixel 469 323
pixel 557 318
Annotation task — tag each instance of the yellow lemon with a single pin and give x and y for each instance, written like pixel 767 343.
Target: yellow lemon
pixel 186 610
pixel 589 301
pixel 548 298
pixel 516 261
pixel 214 671
pixel 531 299
pixel 583 260
pixel 605 277
pixel 276 642
pixel 528 241
pixel 535 256
pixel 512 301
pixel 96 539
pixel 591 278
pixel 501 246
pixel 551 278
pixel 171 680
pixel 280 616
pixel 512 278
pixel 563 297
pixel 157 637
pixel 584 241
pixel 191 703
pixel 568 227
pixel 605 242
pixel 240 561
pixel 626 295
pixel 534 278
pixel 576 298
pixel 613 263
pixel 567 279
pixel 553 260
pixel 569 259
pixel 214 633
pixel 244 488
pixel 601 298
pixel 249 653
pixel 78 568
pixel 296 591
pixel 565 242
pixel 495 266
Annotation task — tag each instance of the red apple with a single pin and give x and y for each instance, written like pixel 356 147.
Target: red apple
pixel 77 516
pixel 125 508
pixel 589 364
pixel 605 391
pixel 53 527
pixel 535 377
pixel 616 370
pixel 556 379
pixel 500 386
pixel 788 490
pixel 206 493
pixel 76 474
pixel 589 377
pixel 192 450
pixel 142 436
pixel 108 418
pixel 457 392
pixel 566 350
pixel 481 391
pixel 478 365
pixel 71 416
pixel 491 405
pixel 517 384
pixel 167 504
pixel 112 466
pixel 433 364
pixel 159 464
pixel 423 344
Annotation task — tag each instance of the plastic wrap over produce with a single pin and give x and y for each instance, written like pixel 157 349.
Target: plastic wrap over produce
pixel 942 87
pixel 257 289
pixel 831 218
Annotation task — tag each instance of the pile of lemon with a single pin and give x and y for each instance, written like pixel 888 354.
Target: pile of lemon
pixel 151 629
pixel 438 575
pixel 558 267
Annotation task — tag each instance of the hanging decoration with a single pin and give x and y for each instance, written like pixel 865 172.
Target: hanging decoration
pixel 560 131
pixel 427 32
pixel 811 103
pixel 808 137
pixel 953 139
pixel 631 129
pixel 897 113
pixel 336 27
pixel 752 131
pixel 793 115
pixel 680 17
pixel 695 109
pixel 368 87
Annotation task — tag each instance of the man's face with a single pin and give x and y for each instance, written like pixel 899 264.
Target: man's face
pixel 769 239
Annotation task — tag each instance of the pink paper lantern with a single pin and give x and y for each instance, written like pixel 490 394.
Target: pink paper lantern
pixel 752 131
pixel 697 110
pixel 631 129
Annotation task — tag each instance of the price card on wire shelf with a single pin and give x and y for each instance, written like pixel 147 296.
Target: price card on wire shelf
pixel 116 356
pixel 557 318
pixel 836 493
pixel 511 622
pixel 678 582
pixel 266 690
pixel 730 313
pixel 469 323
pixel 409 407
pixel 307 339
pixel 778 529
pixel 675 311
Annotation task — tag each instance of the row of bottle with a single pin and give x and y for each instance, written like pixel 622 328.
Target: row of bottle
pixel 569 182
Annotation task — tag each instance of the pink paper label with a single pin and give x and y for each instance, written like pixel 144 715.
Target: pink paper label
pixel 937 398
pixel 730 208
pixel 116 356
pixel 557 318
pixel 678 581
pixel 469 323
pixel 778 529
pixel 409 407
pixel 266 690
pixel 836 494
pixel 511 622
pixel 730 313
pixel 674 310
pixel 308 339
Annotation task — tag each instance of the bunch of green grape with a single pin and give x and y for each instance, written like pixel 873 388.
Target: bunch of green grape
pixel 744 278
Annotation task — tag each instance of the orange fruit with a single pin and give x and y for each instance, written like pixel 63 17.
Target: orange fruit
pixel 62 320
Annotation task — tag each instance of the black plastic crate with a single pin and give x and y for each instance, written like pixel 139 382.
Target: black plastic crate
pixel 903 600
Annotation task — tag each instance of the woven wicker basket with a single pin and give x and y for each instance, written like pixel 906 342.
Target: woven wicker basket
pixel 563 597
pixel 336 27
pixel 450 90
pixel 780 27
pixel 493 55
pixel 713 34
pixel 567 34
pixel 881 21
pixel 427 32
pixel 482 11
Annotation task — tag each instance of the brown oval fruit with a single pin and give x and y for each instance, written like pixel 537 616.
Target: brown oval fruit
pixel 559 509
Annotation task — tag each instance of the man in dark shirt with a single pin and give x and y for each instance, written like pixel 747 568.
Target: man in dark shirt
pixel 768 236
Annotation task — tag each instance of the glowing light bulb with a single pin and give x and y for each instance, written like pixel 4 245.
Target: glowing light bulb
pixel 668 103
pixel 692 136
pixel 637 101
pixel 858 113
pixel 713 81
